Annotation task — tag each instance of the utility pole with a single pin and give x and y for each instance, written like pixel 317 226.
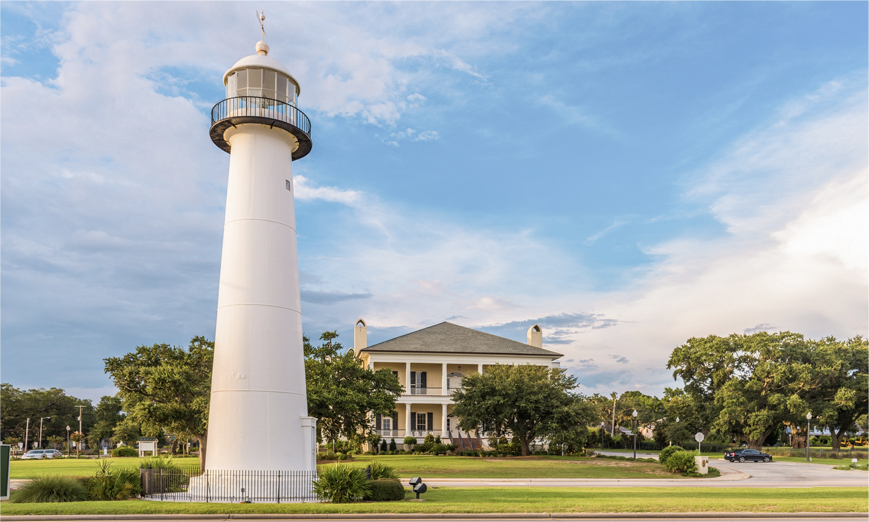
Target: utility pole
pixel 27 435
pixel 613 425
pixel 40 430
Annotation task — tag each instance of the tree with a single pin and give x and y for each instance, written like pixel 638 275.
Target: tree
pixel 838 378
pixel 108 414
pixel 167 387
pixel 755 383
pixel 527 401
pixel 343 394
pixel 678 404
pixel 19 405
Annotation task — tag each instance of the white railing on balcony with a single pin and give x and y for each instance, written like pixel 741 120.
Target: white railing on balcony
pixel 419 390
pixel 386 434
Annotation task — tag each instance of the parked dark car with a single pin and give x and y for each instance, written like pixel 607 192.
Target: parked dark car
pixel 747 454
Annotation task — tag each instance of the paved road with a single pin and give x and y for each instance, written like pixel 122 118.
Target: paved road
pixel 733 475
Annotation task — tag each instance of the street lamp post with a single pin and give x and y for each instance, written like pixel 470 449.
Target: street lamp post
pixel 27 435
pixel 40 430
pixel 635 433
pixel 602 424
pixel 808 434
pixel 68 448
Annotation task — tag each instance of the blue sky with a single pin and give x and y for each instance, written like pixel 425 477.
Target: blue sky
pixel 629 175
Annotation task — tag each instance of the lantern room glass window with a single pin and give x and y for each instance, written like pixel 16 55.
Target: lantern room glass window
pixel 261 82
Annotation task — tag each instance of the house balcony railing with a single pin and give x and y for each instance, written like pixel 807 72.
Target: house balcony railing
pixel 419 390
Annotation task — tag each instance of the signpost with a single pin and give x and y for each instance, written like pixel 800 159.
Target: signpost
pixel 699 438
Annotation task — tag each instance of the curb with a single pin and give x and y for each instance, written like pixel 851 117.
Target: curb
pixel 445 516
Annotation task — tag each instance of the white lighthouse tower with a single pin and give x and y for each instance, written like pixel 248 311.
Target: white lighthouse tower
pixel 258 418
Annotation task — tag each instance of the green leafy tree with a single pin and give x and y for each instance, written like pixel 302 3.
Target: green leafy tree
pixel 109 412
pixel 527 401
pixel 750 385
pixel 342 393
pixel 19 405
pixel 834 387
pixel 167 387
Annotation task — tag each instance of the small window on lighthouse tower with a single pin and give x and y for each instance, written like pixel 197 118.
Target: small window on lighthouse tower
pixel 289 187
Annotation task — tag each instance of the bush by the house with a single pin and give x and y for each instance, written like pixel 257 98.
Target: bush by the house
pixel 383 446
pixel 125 451
pixel 410 440
pixel 342 483
pixel 385 489
pixel 392 445
pixel 382 471
pixel 666 452
pixel 681 462
pixel 51 489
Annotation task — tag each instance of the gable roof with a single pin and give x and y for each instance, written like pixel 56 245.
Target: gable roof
pixel 452 338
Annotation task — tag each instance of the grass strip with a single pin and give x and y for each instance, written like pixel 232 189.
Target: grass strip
pixel 407 466
pixel 512 500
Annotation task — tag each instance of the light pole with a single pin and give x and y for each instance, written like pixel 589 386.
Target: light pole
pixel 40 430
pixel 634 414
pixel 78 443
pixel 68 448
pixel 602 424
pixel 27 434
pixel 808 434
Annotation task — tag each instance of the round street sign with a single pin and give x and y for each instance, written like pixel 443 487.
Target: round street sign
pixel 699 437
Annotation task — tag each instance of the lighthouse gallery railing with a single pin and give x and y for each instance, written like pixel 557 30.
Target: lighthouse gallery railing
pixel 259 107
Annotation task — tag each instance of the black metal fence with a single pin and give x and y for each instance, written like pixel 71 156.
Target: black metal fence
pixel 257 106
pixel 192 485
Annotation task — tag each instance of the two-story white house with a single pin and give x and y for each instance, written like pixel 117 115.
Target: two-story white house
pixel 431 363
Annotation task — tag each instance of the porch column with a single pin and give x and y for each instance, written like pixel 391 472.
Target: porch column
pixel 480 368
pixel 407 380
pixel 407 421
pixel 444 420
pixel 444 382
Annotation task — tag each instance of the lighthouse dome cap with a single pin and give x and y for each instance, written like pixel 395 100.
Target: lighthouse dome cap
pixel 262 59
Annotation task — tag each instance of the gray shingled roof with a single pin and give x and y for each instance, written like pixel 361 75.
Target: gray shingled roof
pixel 452 338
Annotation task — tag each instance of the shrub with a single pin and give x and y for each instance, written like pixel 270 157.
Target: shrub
pixel 342 456
pixel 382 471
pixel 125 451
pixel 385 490
pixel 438 440
pixel 392 445
pixel 666 452
pixel 410 440
pixel 116 484
pixel 161 463
pixel 681 462
pixel 383 446
pixel 331 455
pixel 429 439
pixel 342 483
pixel 51 489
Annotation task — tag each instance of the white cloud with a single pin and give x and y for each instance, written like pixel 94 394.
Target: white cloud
pixel 306 191
pixel 409 134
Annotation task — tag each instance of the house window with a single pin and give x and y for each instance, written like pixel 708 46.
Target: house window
pixel 387 424
pixel 421 422
pixel 289 186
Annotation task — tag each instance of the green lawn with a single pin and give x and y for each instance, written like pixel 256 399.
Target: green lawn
pixel 517 467
pixel 412 465
pixel 513 500
pixel 25 469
